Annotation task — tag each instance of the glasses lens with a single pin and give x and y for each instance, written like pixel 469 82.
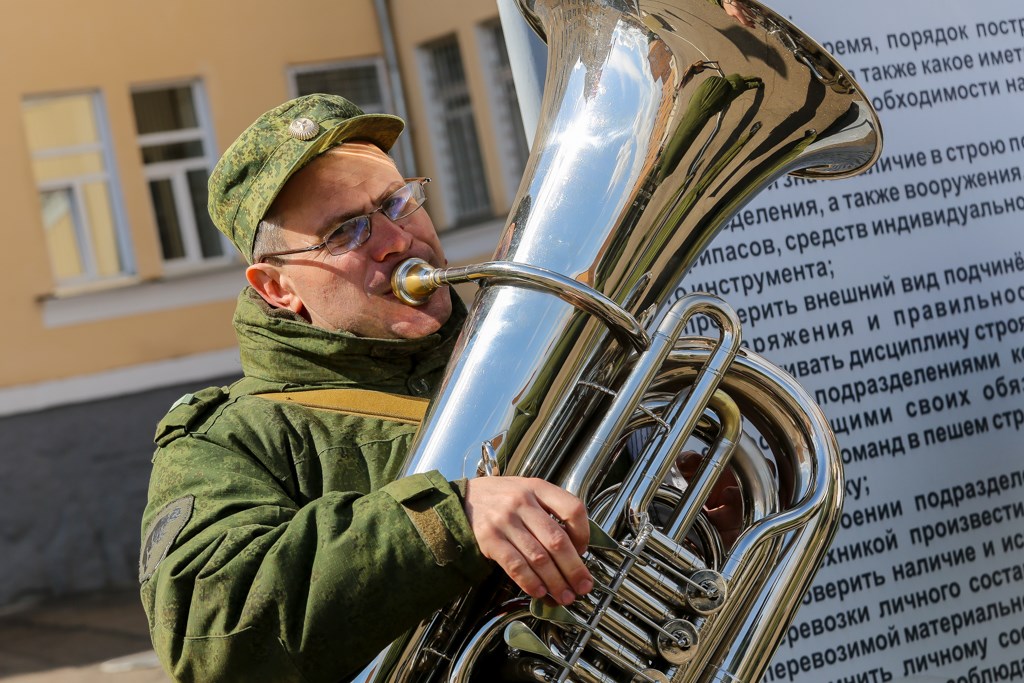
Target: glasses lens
pixel 348 235
pixel 404 201
pixel 355 231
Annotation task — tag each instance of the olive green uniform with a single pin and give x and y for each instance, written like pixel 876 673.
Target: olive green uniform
pixel 278 544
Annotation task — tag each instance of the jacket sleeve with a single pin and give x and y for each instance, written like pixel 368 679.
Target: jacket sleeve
pixel 242 582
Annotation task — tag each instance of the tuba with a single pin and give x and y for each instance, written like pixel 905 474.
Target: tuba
pixel 660 120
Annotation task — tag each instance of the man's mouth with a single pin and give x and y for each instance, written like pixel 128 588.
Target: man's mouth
pixel 383 289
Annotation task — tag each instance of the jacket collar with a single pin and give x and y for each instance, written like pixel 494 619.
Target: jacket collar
pixel 281 348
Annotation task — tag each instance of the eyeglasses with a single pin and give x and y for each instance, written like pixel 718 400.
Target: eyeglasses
pixel 354 232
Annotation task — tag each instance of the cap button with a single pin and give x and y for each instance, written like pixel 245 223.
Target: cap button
pixel 303 129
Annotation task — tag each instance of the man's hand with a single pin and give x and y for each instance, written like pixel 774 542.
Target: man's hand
pixel 516 523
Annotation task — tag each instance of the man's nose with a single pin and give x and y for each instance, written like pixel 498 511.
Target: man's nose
pixel 387 237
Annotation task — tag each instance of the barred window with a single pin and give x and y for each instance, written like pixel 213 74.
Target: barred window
pixel 460 149
pixel 511 135
pixel 360 81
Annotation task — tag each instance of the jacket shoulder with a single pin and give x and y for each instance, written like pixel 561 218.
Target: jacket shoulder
pixel 189 412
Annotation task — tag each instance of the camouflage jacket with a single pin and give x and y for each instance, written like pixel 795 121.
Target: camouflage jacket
pixel 277 543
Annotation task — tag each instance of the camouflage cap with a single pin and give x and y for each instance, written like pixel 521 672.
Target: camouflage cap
pixel 256 166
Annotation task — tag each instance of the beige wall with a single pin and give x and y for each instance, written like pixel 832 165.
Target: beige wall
pixel 241 58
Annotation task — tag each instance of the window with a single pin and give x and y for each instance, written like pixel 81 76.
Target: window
pixel 72 164
pixel 174 139
pixel 509 124
pixel 452 114
pixel 360 81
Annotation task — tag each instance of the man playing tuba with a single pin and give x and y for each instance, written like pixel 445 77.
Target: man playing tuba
pixel 278 544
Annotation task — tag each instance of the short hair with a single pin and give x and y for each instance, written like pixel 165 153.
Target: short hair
pixel 269 238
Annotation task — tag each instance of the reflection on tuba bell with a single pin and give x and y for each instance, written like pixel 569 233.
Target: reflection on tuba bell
pixel 660 119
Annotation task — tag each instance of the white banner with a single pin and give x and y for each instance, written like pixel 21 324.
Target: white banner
pixel 900 306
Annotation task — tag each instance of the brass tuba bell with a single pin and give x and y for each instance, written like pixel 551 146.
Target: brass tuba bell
pixel 660 120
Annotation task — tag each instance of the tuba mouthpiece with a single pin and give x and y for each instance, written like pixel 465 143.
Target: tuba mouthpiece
pixel 411 281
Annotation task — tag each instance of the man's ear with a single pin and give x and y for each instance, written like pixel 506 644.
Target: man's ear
pixel 274 285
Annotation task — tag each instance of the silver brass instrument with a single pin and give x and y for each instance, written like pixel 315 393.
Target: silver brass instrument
pixel 660 119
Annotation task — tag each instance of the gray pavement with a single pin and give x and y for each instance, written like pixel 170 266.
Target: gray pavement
pixel 94 638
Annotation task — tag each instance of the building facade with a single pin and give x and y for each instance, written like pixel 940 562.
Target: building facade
pixel 115 114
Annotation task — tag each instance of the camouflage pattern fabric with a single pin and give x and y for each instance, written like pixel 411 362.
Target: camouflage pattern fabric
pixel 278 544
pixel 252 171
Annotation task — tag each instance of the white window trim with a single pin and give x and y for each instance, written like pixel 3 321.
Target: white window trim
pixel 332 65
pixel 444 173
pixel 110 178
pixel 122 233
pixel 175 171
pixel 73 150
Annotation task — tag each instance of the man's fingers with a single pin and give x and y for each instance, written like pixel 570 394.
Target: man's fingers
pixel 531 563
pixel 518 569
pixel 534 530
pixel 561 566
pixel 578 530
pixel 570 511
pixel 542 562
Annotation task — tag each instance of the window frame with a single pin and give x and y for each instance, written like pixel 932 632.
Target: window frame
pixel 438 116
pixel 75 184
pixel 176 172
pixel 510 134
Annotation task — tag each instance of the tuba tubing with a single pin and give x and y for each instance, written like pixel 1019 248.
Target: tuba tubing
pixel 660 120
pixel 751 630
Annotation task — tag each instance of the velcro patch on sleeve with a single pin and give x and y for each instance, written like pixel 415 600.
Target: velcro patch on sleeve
pixel 410 488
pixel 433 531
pixel 161 534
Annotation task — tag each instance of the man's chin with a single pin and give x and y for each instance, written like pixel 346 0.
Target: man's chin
pixel 426 319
